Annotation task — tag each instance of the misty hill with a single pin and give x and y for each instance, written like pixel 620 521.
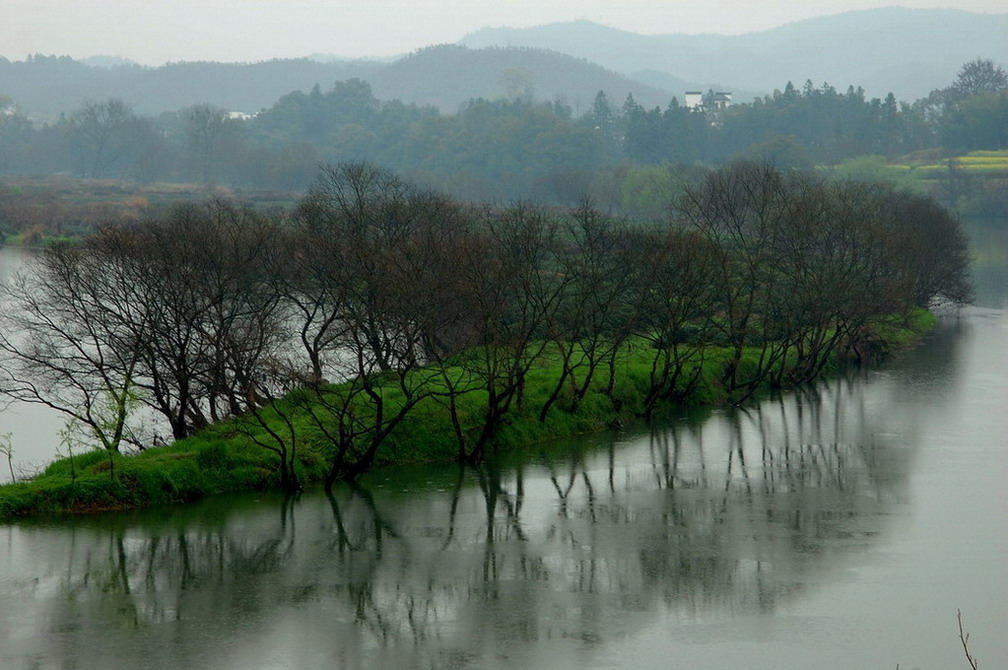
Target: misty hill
pixel 447 76
pixel 108 61
pixel 909 52
pixel 44 86
pixel 444 76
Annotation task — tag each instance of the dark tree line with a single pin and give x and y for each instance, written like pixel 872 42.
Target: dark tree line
pixel 376 298
pixel 497 150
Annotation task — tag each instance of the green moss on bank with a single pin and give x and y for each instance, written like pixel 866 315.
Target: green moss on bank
pixel 224 459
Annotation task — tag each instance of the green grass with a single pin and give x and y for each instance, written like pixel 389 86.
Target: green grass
pixel 222 458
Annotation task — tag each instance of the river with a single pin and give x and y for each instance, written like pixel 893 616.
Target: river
pixel 840 526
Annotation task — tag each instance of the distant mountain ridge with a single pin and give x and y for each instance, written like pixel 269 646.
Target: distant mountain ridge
pixel 445 76
pixel 47 86
pixel 908 52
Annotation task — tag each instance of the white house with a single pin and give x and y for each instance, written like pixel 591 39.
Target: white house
pixel 715 100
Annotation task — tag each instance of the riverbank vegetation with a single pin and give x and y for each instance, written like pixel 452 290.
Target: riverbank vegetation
pixel 381 322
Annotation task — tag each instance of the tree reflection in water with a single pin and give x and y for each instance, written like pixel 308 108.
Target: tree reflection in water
pixel 508 562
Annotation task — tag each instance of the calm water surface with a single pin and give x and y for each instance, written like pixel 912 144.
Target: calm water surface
pixel 838 527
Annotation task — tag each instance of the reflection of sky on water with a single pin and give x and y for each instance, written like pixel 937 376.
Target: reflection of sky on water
pixel 989 241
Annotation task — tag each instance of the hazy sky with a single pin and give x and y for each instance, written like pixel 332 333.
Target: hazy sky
pixel 158 31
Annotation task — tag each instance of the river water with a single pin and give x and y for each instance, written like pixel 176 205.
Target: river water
pixel 841 526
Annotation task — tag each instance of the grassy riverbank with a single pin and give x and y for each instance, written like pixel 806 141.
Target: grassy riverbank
pixel 225 457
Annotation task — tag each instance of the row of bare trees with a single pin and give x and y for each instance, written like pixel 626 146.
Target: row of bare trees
pixel 801 265
pixel 374 297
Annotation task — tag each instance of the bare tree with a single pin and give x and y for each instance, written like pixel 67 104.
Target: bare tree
pixel 978 76
pixel 802 266
pixel 105 135
pixel 304 268
pixel 375 300
pixel 741 209
pixel 675 286
pixel 70 339
pixel 833 261
pixel 358 212
pixel 7 449
pixel 213 311
pixel 270 423
pixel 516 288
pixel 964 638
pixel 175 313
pixel 206 127
pixel 927 249
pixel 596 313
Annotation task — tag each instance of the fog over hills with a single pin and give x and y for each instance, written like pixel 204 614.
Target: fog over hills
pixel 908 52
pixel 449 75
pixel 44 87
pixel 446 76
